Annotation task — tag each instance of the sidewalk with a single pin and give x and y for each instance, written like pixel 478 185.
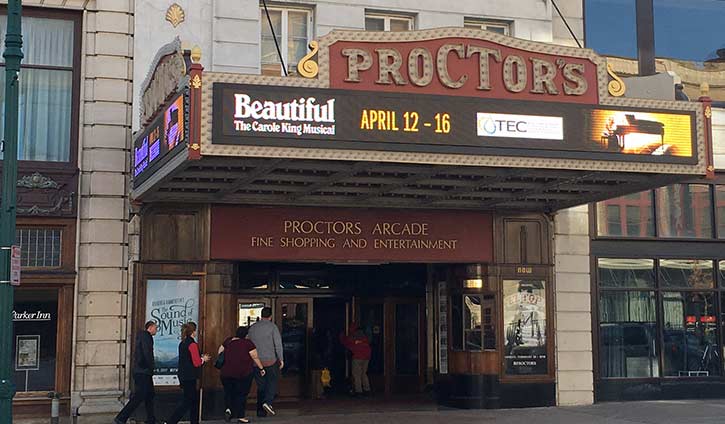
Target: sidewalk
pixel 659 412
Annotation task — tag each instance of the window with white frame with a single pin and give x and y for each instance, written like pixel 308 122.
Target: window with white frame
pixel 293 30
pixel 501 27
pixel 385 22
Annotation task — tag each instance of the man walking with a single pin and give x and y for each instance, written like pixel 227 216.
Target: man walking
pixel 143 371
pixel 265 335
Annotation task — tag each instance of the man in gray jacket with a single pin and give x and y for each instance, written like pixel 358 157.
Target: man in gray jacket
pixel 265 336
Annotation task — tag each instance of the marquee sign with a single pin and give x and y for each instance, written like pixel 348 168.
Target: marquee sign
pixel 324 118
pixel 166 133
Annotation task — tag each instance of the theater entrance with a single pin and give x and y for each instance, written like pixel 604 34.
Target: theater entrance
pixel 313 304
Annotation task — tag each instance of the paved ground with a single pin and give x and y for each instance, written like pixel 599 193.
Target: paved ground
pixel 660 412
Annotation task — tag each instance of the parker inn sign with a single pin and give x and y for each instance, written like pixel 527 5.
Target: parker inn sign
pixel 442 118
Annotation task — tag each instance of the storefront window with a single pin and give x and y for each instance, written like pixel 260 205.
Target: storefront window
pixel 686 273
pixel 720 210
pixel 35 325
pixel 473 322
pixel 632 273
pixel 684 210
pixel 630 216
pixel 524 314
pixel 627 332
pixel 690 334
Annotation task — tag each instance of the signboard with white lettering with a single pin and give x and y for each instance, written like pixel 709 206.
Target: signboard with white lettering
pixel 341 119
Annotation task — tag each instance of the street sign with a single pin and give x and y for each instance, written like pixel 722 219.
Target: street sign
pixel 15 265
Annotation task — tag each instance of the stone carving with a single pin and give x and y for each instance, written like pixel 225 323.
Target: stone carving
pixel 37 181
pixel 175 15
pixel 64 203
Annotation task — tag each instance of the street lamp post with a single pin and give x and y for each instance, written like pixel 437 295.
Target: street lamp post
pixel 13 55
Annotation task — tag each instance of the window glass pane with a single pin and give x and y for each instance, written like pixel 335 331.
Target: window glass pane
pixel 720 207
pixel 472 322
pixel 269 50
pixel 524 316
pixel 497 28
pixel 637 220
pixel 626 272
pixel 45 41
pixel 691 273
pixel 44 114
pixel 294 338
pixel 297 36
pixel 39 247
pixel 690 334
pixel 372 323
pixel 684 210
pixel 627 329
pixel 399 24
pixel 35 327
pixel 457 322
pixel 374 24
pixel 475 25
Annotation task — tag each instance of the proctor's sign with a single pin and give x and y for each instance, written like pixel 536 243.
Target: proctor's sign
pixel 463 67
pixel 350 235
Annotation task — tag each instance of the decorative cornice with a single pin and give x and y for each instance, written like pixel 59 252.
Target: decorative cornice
pixel 37 181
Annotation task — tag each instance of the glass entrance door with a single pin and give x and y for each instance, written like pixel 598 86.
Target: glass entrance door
pixel 293 317
pixel 394 327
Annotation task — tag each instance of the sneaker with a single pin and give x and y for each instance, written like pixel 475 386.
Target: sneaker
pixel 227 415
pixel 268 408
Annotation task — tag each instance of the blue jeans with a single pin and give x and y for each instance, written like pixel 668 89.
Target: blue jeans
pixel 266 386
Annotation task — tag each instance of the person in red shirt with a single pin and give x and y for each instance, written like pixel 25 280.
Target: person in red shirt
pixel 358 344
pixel 240 355
pixel 190 362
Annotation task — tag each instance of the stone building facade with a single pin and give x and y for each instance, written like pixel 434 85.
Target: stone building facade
pixel 80 205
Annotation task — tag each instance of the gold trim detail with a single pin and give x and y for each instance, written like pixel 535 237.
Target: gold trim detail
pixel 307 67
pixel 175 15
pixel 708 112
pixel 196 54
pixel 195 146
pixel 196 81
pixel 616 86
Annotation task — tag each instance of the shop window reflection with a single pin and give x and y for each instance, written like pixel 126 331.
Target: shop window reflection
pixel 35 328
pixel 630 216
pixel 690 334
pixel 627 334
pixel 473 322
pixel 688 273
pixel 631 273
pixel 684 210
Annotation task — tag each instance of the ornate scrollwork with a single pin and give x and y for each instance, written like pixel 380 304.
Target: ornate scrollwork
pixel 37 181
pixel 175 15
pixel 616 86
pixel 307 67
pixel 64 203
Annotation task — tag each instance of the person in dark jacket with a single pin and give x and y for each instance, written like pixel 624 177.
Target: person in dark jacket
pixel 240 358
pixel 190 363
pixel 143 371
pixel 358 344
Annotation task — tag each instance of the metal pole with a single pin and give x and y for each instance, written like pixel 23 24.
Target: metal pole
pixel 13 55
pixel 646 37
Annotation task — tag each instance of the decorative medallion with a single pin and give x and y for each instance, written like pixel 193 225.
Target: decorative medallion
pixel 175 15
pixel 37 181
pixel 616 87
pixel 307 67
pixel 708 112
pixel 196 81
pixel 195 146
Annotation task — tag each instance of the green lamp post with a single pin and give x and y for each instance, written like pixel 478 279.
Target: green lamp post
pixel 13 54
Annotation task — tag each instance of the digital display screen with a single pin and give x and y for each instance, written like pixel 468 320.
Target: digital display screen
pixel 161 136
pixel 340 119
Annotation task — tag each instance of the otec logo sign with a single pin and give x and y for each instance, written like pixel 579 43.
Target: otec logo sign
pixel 520 126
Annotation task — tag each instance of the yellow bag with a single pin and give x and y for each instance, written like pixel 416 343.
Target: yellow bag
pixel 325 377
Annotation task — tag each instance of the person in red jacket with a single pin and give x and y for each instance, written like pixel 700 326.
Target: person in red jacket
pixel 358 344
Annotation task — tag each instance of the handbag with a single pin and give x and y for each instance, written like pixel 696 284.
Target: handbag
pixel 219 363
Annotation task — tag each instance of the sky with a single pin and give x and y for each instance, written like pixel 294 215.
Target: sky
pixel 684 29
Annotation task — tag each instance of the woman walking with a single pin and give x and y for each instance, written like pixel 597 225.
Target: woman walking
pixel 240 355
pixel 190 362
